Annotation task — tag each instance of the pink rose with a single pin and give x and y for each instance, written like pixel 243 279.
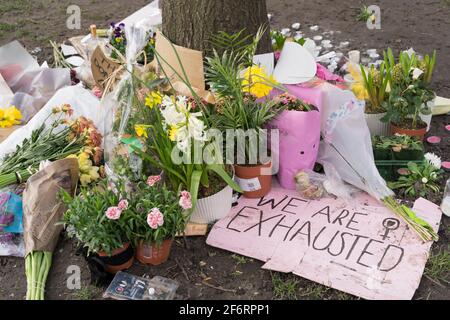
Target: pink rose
pixel 155 218
pixel 123 205
pixel 185 200
pixel 113 213
pixel 152 180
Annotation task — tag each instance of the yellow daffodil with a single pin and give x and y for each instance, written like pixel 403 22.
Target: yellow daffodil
pixel 256 82
pixel 357 86
pixel 118 40
pixel 141 130
pixel 153 99
pixel 173 133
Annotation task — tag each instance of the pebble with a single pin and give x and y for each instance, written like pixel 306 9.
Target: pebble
pixel 344 44
pixel 317 38
pixel 151 291
pixel 285 32
pixel 36 50
pixel 296 26
pixel 314 28
pixel 269 16
pixel 371 51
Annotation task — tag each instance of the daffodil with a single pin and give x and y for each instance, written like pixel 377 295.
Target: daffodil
pixel 256 82
pixel 173 133
pixel 358 86
pixel 153 99
pixel 141 130
pixel 183 125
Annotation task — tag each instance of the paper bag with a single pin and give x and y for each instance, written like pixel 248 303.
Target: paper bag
pixel 191 62
pixel 5 93
pixel 42 206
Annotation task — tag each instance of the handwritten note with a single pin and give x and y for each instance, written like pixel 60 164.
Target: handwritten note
pixel 362 249
pixel 102 67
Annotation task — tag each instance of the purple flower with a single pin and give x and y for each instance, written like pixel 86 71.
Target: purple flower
pixel 6 237
pixel 122 25
pixel 113 24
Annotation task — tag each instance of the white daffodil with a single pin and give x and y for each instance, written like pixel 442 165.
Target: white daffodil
pixel 188 125
pixel 434 160
pixel 417 73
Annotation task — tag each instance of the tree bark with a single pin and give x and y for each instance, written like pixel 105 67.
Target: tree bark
pixel 190 23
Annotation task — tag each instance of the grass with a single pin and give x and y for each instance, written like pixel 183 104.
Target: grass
pixel 284 289
pixel 364 14
pixel 240 259
pixel 86 293
pixel 13 5
pixel 7 27
pixel 438 266
pixel 316 291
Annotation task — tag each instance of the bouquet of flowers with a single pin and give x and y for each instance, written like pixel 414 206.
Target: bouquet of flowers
pixel 64 138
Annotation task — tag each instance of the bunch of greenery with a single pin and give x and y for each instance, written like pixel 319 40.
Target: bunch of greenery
pixel 376 83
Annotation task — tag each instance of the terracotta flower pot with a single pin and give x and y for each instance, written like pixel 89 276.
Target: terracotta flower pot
pixel 419 133
pixel 253 183
pixel 120 259
pixel 152 253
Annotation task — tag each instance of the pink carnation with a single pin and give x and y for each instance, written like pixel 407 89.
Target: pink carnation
pixel 123 205
pixel 152 180
pixel 185 200
pixel 113 213
pixel 155 218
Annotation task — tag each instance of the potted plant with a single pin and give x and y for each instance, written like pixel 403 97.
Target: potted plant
pixel 299 127
pixel 420 179
pixel 158 214
pixel 397 147
pixel 410 96
pixel 98 219
pixel 242 90
pixel 375 93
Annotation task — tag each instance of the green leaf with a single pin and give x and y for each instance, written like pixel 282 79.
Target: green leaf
pixel 195 184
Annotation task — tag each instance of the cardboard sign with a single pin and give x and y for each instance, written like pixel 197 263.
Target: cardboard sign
pixel 363 249
pixel 102 67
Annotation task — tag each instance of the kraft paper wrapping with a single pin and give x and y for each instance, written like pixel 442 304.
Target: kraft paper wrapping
pixel 192 63
pixel 42 207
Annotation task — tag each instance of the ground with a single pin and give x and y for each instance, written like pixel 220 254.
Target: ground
pixel 405 23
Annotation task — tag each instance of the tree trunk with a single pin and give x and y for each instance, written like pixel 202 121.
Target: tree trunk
pixel 190 23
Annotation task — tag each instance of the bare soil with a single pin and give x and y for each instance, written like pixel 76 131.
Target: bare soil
pixel 422 24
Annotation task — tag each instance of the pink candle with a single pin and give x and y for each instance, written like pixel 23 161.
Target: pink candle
pixel 446 166
pixel 447 127
pixel 434 140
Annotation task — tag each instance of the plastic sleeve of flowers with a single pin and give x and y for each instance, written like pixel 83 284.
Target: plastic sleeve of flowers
pixel 136 41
